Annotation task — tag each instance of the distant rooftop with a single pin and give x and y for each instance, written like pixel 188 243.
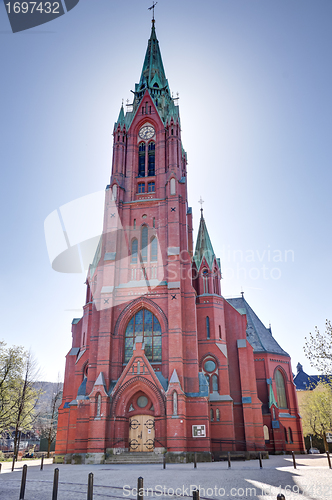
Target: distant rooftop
pixel 304 382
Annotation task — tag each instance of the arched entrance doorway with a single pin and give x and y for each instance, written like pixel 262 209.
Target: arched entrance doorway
pixel 141 433
pixel 141 423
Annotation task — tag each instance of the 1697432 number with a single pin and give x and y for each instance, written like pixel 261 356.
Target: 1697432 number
pixel 31 7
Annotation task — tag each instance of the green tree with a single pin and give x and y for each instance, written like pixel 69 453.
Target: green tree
pixel 25 399
pixel 318 349
pixel 11 368
pixel 316 411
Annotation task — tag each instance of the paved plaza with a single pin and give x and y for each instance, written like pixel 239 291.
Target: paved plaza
pixel 312 479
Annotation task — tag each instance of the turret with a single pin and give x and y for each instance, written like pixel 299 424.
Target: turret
pixel 206 267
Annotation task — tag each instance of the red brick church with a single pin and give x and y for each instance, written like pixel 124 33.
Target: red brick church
pixel 160 361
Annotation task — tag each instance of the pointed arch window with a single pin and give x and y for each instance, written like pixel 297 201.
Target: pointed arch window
pixel 286 435
pixel 172 186
pixel 98 402
pixel 215 387
pixel 151 158
pixel 205 281
pixel 211 415
pixel 144 243
pixel 134 251
pixel 141 160
pixel 207 327
pixel 217 415
pixel 281 392
pixel 266 433
pixel 144 324
pixel 154 250
pixel 175 403
pixel 290 435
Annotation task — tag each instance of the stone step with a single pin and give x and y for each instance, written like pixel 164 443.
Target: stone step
pixel 135 457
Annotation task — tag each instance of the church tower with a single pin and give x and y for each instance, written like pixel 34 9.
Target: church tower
pixel 160 361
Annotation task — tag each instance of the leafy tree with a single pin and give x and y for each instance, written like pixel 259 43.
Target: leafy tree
pixel 25 399
pixel 316 411
pixel 11 368
pixel 318 349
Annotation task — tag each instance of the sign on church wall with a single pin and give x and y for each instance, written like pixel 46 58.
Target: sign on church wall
pixel 199 431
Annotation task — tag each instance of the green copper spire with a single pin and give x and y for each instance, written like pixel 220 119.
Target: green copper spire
pixel 153 80
pixel 203 245
pixel 153 73
pixel 121 118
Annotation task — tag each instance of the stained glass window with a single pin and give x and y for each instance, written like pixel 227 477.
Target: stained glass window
pixel 144 324
pixel 207 327
pixel 151 159
pixel 215 383
pixel 141 160
pixel 281 393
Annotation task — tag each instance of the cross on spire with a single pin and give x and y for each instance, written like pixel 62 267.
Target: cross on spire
pixel 152 8
pixel 201 201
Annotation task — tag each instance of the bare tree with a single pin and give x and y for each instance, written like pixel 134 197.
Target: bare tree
pixel 25 400
pixel 47 419
pixel 318 349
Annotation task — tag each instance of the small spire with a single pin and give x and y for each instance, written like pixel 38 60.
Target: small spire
pixel 203 244
pixel 242 293
pixel 121 117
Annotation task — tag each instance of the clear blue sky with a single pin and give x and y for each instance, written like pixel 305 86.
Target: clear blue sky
pixel 255 80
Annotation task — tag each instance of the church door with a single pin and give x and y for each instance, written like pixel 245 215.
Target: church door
pixel 141 433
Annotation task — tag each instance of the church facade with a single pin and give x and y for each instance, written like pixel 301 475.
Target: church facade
pixel 160 361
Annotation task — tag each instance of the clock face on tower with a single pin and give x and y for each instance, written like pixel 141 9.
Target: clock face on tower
pixel 146 132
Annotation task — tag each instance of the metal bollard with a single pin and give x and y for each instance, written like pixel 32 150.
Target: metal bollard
pixel 260 461
pixel 140 491
pixel 23 481
pixel 55 484
pixel 294 462
pixel 281 496
pixel 42 463
pixel 0 468
pixel 196 495
pixel 164 461
pixel 90 487
pixel 229 459
pixel 328 459
pixel 195 460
